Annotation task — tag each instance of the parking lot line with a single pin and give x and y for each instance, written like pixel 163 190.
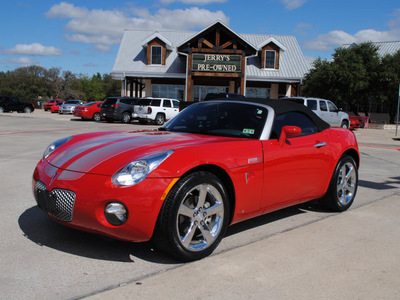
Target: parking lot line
pixel 378 147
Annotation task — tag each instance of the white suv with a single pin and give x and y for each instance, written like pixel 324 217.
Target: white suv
pixel 157 110
pixel 325 109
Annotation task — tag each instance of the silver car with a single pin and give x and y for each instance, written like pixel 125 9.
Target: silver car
pixel 68 106
pixel 325 109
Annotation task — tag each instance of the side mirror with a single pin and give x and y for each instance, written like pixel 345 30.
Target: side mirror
pixel 288 132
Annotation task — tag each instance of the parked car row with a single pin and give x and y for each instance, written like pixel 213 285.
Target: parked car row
pixel 146 110
pixel 123 109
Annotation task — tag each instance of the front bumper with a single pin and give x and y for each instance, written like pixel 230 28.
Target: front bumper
pixel 78 200
pixel 67 110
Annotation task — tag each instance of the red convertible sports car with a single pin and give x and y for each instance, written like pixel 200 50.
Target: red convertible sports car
pixel 217 163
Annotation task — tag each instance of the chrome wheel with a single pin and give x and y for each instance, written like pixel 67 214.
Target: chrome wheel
pixel 200 217
pixel 1 109
pixel 346 183
pixel 126 118
pixel 97 117
pixel 194 217
pixel 343 186
pixel 160 119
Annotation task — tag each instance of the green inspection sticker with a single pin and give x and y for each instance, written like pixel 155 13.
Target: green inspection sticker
pixel 248 131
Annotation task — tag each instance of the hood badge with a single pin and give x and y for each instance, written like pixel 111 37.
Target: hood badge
pixel 54 177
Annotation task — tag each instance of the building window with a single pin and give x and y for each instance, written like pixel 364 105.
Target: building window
pixel 270 59
pixel 167 91
pixel 156 55
pixel 262 93
pixel 200 92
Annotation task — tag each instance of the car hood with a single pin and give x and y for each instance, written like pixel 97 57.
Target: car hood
pixel 105 153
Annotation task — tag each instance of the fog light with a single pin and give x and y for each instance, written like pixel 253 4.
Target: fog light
pixel 116 213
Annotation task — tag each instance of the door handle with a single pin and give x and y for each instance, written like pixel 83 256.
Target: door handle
pixel 319 145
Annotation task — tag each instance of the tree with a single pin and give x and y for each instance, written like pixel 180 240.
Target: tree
pixel 389 83
pixel 348 79
pixel 35 82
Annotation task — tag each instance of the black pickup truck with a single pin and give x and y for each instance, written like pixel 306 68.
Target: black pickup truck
pixel 14 104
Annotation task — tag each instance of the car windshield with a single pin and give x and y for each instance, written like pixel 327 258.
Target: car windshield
pixel 221 119
pixel 90 104
pixel 72 102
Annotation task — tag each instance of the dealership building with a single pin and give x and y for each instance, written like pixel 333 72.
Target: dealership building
pixel 188 65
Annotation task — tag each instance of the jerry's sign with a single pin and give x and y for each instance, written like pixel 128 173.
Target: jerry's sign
pixel 216 63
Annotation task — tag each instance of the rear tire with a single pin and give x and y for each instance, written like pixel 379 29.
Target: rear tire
pixel 194 217
pixel 126 117
pixel 1 109
pixel 344 125
pixel 343 186
pixel 160 119
pixel 96 117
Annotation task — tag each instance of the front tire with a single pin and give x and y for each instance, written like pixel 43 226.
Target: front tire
pixel 343 186
pixel 194 217
pixel 27 110
pixel 344 125
pixel 1 109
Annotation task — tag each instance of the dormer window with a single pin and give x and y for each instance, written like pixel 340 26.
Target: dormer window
pixel 270 57
pixel 156 55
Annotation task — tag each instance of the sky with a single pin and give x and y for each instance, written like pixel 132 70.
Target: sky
pixel 83 36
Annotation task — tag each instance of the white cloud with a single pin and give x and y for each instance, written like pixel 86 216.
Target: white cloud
pixel 22 61
pixel 66 10
pixel 337 38
pixel 34 49
pixel 104 28
pixel 193 2
pixel 293 4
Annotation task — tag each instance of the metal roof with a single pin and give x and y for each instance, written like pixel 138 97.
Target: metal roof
pixel 131 59
pixel 384 47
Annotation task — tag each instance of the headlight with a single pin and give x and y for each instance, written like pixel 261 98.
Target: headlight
pixel 138 170
pixel 53 146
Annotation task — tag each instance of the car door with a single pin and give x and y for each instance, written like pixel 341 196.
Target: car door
pixel 295 170
pixel 334 114
pixel 167 109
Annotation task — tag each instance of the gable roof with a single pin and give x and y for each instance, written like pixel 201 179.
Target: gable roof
pixel 218 25
pixel 271 40
pixel 131 58
pixel 157 35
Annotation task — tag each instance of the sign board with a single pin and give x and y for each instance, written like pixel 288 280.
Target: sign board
pixel 221 63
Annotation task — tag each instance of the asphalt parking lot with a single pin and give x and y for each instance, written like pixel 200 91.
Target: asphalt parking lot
pixel 301 252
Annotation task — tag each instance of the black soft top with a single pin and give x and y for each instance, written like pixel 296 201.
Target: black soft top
pixel 281 107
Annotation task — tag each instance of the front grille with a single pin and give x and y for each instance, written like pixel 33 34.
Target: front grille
pixel 59 202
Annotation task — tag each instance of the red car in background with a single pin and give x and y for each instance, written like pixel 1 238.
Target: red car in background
pixel 89 111
pixel 55 108
pixel 354 123
pixel 215 164
pixel 47 106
